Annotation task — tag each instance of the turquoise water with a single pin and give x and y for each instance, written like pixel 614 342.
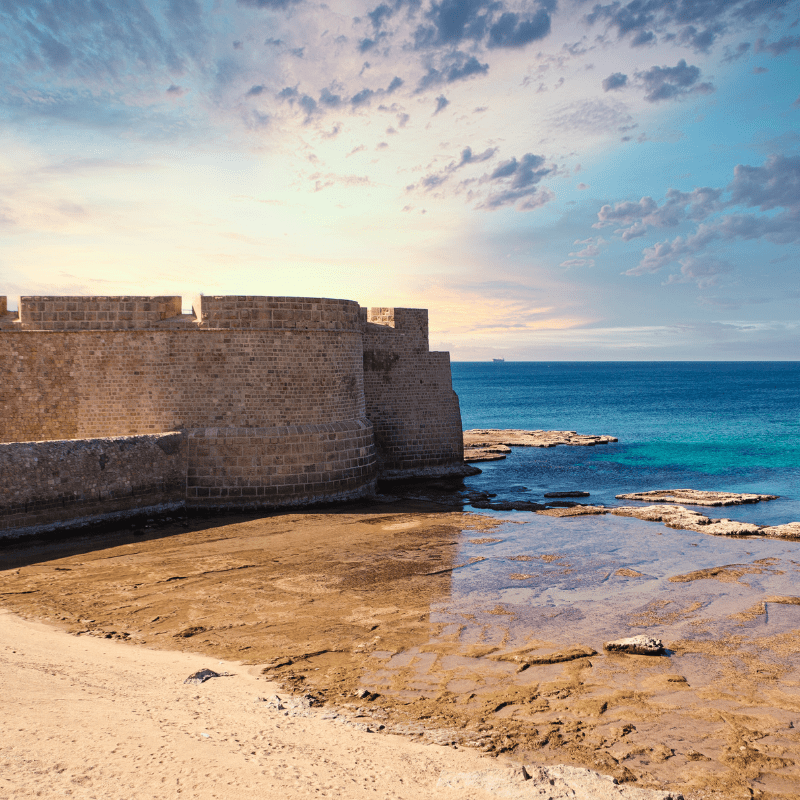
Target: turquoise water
pixel 731 426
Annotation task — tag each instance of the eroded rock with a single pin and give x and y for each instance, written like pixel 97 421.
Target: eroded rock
pixel 637 645
pixel 697 497
pixel 491 437
pixel 573 511
pixel 686 519
pixel 201 676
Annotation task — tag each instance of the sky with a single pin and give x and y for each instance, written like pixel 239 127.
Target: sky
pixel 553 180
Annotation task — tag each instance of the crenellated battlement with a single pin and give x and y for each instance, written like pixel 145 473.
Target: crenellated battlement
pixel 232 312
pixel 280 401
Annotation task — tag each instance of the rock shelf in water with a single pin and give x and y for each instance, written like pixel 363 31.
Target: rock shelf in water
pixel 697 497
pixel 685 519
pixel 491 437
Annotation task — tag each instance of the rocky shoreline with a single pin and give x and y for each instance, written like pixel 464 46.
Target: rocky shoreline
pixel 492 444
pixel 665 505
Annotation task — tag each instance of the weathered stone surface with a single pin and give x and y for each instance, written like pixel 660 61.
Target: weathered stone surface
pixel 639 645
pixel 574 511
pixel 202 676
pixel 686 519
pixel 696 497
pixel 490 437
pixel 729 527
pixel 547 783
pixel 790 530
pixel 474 455
pixel 671 516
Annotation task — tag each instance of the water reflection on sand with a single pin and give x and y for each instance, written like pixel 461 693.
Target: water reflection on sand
pixel 452 618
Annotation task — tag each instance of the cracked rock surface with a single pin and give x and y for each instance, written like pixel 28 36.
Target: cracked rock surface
pixel 697 497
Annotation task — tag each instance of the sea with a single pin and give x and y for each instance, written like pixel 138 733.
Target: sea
pixel 725 426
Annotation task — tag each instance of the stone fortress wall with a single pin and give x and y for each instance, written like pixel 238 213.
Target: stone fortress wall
pixel 276 401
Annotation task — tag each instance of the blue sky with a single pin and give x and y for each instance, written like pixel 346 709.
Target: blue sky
pixel 552 179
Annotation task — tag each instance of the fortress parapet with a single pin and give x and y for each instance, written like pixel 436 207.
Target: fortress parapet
pixel 276 401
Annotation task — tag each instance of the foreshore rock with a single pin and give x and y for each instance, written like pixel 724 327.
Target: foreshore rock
pixel 495 453
pixel 574 511
pixel 697 497
pixel 490 437
pixel 637 645
pixel 686 519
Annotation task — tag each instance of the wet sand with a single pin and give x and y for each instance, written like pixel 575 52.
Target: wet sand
pixel 479 631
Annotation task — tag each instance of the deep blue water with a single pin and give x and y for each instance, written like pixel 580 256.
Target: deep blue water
pixel 703 425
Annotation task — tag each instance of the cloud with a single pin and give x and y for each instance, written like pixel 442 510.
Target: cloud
pixel 452 23
pixel 511 30
pixel 591 116
pixel 772 187
pixel 273 5
pixel 734 55
pixel 695 205
pixel 362 98
pixel 667 83
pixel 775 184
pixel 614 81
pixel 783 45
pixel 468 157
pixel 514 182
pixel 441 103
pixel 454 66
pixel 696 24
pixel 703 271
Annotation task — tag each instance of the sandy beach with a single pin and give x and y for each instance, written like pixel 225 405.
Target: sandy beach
pixel 356 609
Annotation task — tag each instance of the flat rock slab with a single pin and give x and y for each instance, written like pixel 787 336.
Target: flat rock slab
pixel 687 519
pixel 490 437
pixel 696 497
pixel 637 645
pixel 474 455
pixel 566 494
pixel 552 783
pixel 574 511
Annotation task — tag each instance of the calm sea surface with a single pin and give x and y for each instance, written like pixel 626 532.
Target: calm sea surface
pixel 703 425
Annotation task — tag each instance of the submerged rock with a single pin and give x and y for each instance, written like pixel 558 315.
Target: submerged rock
pixel 671 516
pixel 574 511
pixel 638 645
pixel 566 494
pixel 697 497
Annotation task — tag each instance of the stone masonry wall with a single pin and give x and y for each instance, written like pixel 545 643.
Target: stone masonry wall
pixel 95 313
pixel 79 384
pixel 72 483
pixel 409 397
pixel 276 313
pixel 292 465
pixel 283 401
